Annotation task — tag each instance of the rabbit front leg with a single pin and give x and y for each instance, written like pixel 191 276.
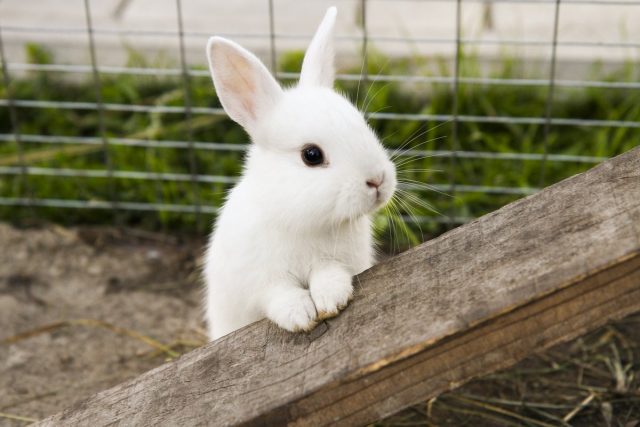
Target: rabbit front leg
pixel 331 289
pixel 290 307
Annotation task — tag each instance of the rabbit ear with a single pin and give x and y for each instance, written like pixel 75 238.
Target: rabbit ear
pixel 244 85
pixel 318 67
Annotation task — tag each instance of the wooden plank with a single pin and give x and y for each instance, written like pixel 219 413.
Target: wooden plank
pixel 539 271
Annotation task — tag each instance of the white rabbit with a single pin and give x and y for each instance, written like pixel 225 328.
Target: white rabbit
pixel 296 228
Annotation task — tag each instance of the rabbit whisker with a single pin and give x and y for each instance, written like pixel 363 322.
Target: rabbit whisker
pixel 410 197
pixel 402 171
pixel 373 97
pixel 380 109
pixel 364 58
pixel 389 214
pixel 372 83
pixel 397 222
pixel 413 149
pixel 410 211
pixel 403 224
pixel 412 137
pixel 393 225
pixel 410 159
pixel 422 186
pixel 384 138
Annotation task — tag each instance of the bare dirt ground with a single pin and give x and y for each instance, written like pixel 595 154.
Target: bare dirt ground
pixel 83 309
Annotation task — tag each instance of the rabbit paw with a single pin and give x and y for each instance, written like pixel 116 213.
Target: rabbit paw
pixel 292 309
pixel 331 290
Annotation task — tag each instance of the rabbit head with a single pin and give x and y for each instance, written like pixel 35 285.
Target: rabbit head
pixel 314 160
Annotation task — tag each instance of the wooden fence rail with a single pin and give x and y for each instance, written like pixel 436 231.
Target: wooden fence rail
pixel 539 271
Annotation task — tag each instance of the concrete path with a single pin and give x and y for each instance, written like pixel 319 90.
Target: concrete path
pixel 247 21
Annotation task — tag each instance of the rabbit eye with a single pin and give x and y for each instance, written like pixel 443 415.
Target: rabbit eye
pixel 312 155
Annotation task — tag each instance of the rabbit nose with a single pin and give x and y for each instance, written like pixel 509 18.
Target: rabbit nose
pixel 375 182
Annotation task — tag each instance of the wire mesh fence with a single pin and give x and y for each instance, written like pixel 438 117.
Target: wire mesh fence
pixel 146 141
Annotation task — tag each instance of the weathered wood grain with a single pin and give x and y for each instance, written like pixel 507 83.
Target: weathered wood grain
pixel 480 298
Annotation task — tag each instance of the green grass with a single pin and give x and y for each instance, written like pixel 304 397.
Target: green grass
pixel 476 100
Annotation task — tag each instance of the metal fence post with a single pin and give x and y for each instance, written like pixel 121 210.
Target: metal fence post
pixel 25 191
pixel 550 93
pixel 101 111
pixel 186 80
pixel 454 144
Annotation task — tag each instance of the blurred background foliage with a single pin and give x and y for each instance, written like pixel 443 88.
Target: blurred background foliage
pixel 523 176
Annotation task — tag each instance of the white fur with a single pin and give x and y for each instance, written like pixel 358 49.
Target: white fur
pixel 317 66
pixel 290 237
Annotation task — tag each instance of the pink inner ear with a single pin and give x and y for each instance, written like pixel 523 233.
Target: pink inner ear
pixel 239 83
pixel 248 107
